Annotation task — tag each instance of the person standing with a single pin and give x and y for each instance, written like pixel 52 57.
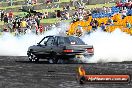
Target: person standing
pixel 23 25
pixel 37 21
pixel 103 26
pixel 2 15
pixel 128 25
pixel 41 29
pixel 5 19
pixel 10 15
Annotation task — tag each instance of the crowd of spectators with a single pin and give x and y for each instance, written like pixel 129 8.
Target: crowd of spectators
pixel 21 24
pixel 82 14
pixel 32 22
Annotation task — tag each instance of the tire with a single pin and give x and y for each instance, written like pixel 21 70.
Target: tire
pixel 53 59
pixel 60 61
pixel 32 57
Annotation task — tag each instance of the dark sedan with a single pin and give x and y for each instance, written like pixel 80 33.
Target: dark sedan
pixel 57 49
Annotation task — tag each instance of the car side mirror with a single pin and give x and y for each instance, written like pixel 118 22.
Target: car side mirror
pixel 45 43
pixel 38 44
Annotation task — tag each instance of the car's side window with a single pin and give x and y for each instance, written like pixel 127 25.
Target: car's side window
pixel 50 41
pixel 60 40
pixel 44 41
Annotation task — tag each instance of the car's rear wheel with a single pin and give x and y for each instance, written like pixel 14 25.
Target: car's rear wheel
pixel 60 61
pixel 53 59
pixel 32 57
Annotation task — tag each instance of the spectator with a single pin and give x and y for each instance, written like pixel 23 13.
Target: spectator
pixel 23 26
pixel 48 1
pixel 94 27
pixel 29 1
pixel 103 26
pixel 10 26
pixel 2 15
pixel 104 9
pixel 34 26
pixel 110 21
pixel 68 7
pixel 79 30
pixel 86 15
pixel 34 1
pixel 14 25
pixel 109 10
pixel 46 14
pixel 81 17
pixel 67 15
pixel 76 13
pixel 96 22
pixel 128 4
pixel 18 21
pixel 5 19
pixel 41 29
pixel 74 18
pixel 10 15
pixel 58 14
pixel 124 13
pixel 92 21
pixel 128 25
pixel 29 23
pixel 37 21
pixel 119 4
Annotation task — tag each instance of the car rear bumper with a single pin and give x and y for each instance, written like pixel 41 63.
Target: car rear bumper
pixel 73 55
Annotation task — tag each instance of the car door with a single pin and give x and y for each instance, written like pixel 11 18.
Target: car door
pixel 59 45
pixel 41 47
pixel 49 45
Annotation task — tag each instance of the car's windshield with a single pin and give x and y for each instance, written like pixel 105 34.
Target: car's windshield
pixel 73 41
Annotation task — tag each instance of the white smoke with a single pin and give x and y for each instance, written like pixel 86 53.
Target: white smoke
pixel 11 45
pixel 109 47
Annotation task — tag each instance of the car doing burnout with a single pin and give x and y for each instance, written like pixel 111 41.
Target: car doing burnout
pixel 59 48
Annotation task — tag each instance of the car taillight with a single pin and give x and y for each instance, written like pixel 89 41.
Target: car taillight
pixel 90 50
pixel 68 51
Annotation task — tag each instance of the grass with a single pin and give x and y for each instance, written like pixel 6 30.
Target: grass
pixel 50 20
pixel 53 20
pixel 52 10
pixel 49 10
pixel 3 2
pixel 65 0
pixel 1 23
pixel 15 6
pixel 20 14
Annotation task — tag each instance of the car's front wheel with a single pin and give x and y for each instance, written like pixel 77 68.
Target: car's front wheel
pixel 32 57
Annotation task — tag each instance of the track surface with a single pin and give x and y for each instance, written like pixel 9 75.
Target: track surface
pixel 17 72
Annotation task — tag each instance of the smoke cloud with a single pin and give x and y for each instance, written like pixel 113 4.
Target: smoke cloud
pixel 11 45
pixel 108 47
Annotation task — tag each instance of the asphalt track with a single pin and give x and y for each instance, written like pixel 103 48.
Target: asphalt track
pixel 17 72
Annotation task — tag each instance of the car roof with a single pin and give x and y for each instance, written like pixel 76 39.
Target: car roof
pixel 58 36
